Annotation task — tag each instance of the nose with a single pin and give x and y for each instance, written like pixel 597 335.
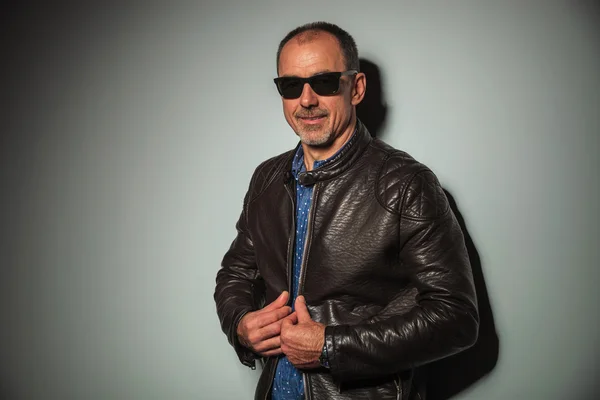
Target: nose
pixel 308 98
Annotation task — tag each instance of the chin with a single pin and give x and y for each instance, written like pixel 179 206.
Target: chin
pixel 316 140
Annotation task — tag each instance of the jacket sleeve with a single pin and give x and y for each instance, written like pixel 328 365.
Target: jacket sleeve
pixel 444 319
pixel 239 287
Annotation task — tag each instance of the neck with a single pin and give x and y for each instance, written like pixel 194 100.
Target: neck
pixel 313 153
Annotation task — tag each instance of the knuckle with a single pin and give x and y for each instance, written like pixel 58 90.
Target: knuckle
pixel 247 323
pixel 253 337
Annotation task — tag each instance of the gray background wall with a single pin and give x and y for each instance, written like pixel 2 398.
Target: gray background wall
pixel 129 134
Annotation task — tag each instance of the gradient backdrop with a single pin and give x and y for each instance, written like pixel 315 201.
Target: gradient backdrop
pixel 129 134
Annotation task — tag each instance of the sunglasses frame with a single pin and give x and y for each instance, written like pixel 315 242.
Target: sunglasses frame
pixel 279 80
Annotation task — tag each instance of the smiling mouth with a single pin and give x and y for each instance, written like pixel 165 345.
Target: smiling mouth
pixel 314 118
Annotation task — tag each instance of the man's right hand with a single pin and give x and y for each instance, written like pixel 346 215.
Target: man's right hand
pixel 259 330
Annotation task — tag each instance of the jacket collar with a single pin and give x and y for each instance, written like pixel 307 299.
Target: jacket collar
pixel 343 160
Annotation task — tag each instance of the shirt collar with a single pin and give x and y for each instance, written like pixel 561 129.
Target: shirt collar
pixel 298 162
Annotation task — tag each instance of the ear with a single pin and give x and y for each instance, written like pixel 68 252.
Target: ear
pixel 359 88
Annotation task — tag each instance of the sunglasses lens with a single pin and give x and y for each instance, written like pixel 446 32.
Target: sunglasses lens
pixel 290 88
pixel 326 84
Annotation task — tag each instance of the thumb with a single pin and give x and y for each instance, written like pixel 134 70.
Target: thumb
pixel 301 310
pixel 278 302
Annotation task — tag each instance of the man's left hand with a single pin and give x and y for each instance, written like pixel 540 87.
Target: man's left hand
pixel 302 342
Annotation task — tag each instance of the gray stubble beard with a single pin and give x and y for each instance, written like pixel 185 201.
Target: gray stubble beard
pixel 321 141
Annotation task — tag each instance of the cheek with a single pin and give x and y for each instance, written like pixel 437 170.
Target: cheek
pixel 338 110
pixel 288 111
pixel 288 107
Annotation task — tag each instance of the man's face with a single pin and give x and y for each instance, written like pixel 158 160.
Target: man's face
pixel 317 120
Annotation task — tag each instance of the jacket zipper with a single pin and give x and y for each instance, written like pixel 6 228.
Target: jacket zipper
pixel 304 379
pixel 307 241
pixel 311 213
pixel 397 383
pixel 292 238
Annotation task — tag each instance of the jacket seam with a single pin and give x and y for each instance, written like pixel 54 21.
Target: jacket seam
pixel 279 163
pixel 268 182
pixel 378 181
pixel 388 155
pixel 418 219
pixel 402 195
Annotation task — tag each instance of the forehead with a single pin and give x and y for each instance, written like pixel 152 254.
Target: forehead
pixel 309 53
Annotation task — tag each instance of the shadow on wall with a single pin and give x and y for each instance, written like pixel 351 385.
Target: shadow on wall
pixel 451 375
pixel 372 111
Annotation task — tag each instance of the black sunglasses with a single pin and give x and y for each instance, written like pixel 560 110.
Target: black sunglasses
pixel 325 84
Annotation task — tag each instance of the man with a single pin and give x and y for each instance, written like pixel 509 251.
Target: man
pixel 349 269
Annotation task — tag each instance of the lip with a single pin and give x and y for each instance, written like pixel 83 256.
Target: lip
pixel 311 120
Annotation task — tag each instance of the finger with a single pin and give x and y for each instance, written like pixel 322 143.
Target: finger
pixel 293 317
pixel 268 344
pixel 265 319
pixel 261 319
pixel 278 302
pixel 271 353
pixel 271 330
pixel 286 324
pixel 301 310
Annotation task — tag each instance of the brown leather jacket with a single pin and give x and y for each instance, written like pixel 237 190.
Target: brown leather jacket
pixel 386 269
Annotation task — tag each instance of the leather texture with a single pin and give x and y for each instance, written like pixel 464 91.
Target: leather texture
pixel 386 269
